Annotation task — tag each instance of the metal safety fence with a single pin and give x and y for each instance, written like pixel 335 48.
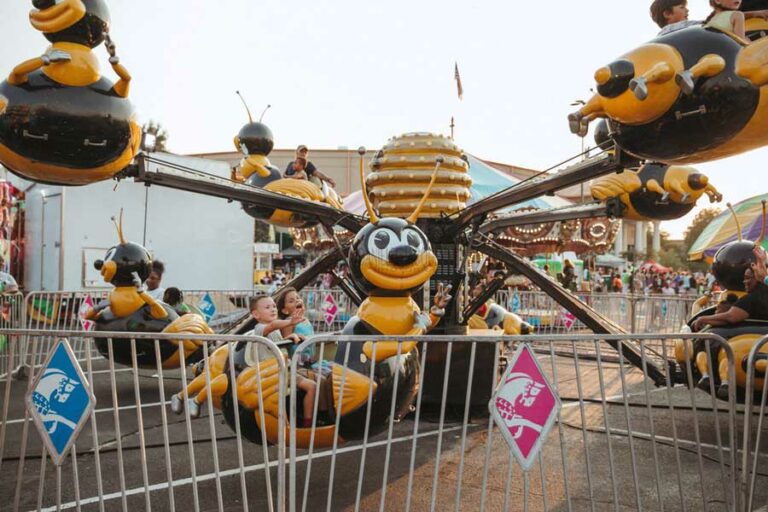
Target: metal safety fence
pixel 642 314
pixel 618 443
pixel 133 452
pixel 12 316
pixel 399 424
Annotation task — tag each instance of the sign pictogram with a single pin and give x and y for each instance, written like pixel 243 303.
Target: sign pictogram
pixel 330 309
pixel 60 401
pixel 86 306
pixel 207 307
pixel 524 406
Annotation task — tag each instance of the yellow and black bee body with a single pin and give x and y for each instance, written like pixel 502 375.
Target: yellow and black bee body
pixel 653 192
pixel 255 141
pixel 729 266
pixel 694 95
pixel 61 122
pixel 130 309
pixel 132 260
pixel 719 108
pixel 389 260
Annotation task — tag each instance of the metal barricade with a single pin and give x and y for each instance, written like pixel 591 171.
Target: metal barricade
pixel 133 454
pixel 754 464
pixel 11 317
pixel 319 300
pixel 644 314
pixel 618 442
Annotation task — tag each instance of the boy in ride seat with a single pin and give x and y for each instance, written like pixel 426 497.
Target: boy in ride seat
pixel 264 311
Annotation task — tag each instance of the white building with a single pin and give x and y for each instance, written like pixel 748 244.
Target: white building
pixel 205 243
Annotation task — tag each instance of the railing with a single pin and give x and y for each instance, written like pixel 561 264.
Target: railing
pixel 133 453
pixel 617 440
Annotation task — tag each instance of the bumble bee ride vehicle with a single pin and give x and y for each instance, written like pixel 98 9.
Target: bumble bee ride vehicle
pixel 693 95
pixel 653 192
pixel 732 269
pixel 493 316
pixel 61 122
pixel 255 141
pixel 129 308
pixel 390 259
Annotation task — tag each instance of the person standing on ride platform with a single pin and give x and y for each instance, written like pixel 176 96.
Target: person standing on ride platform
pixel 726 17
pixel 313 174
pixel 671 15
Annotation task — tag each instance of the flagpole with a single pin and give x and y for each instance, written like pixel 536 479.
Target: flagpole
pixel 452 126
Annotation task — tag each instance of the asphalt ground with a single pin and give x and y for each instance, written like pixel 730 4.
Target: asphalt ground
pixel 672 461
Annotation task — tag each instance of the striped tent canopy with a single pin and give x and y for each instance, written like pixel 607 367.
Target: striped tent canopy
pixel 723 230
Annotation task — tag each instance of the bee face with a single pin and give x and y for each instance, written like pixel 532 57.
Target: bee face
pixel 122 261
pixel 391 257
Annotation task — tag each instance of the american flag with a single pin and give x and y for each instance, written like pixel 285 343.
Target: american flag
pixel 457 76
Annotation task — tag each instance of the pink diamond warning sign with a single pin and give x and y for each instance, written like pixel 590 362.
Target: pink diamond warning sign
pixel 524 406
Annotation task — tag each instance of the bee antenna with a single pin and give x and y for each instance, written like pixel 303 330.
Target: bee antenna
pixel 264 112
pixel 250 117
pixel 415 215
pixel 762 229
pixel 371 211
pixel 736 220
pixel 119 226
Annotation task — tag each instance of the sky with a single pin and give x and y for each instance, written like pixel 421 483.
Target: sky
pixel 353 74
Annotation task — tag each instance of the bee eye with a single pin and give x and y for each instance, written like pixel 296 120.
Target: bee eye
pixel 413 240
pixel 381 239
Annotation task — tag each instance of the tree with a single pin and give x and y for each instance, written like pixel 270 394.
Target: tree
pixel 262 232
pixel 700 221
pixel 155 137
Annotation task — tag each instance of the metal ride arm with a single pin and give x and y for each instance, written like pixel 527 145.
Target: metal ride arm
pixel 476 303
pixel 173 175
pixel 588 316
pixel 606 163
pixel 347 288
pixel 582 211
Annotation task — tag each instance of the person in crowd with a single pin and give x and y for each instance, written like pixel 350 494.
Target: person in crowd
pixel 155 278
pixel 569 276
pixel 7 282
pixel 312 173
pixel 616 284
pixel 671 15
pixel 266 279
pixel 264 311
pixel 753 306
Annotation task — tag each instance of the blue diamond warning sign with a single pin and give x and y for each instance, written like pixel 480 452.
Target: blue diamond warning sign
pixel 60 401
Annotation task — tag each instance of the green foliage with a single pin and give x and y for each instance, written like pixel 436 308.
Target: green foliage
pixel 699 223
pixel 155 138
pixel 262 232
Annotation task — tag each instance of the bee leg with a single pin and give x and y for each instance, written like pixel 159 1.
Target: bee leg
pixel 579 121
pixel 708 66
pixel 660 73
pixel 653 186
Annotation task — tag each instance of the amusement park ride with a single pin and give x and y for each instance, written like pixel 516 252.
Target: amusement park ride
pixel 692 96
